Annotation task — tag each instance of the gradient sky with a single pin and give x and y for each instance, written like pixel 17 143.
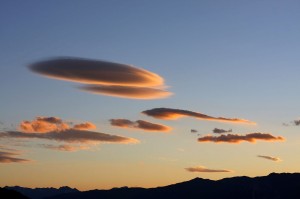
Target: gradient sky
pixel 231 59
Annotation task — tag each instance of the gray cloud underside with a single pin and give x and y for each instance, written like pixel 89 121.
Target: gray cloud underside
pixel 71 136
pixel 236 138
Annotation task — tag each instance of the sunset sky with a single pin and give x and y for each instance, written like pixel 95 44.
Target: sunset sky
pixel 102 94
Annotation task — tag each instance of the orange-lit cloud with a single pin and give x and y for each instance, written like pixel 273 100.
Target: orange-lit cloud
pixel 169 114
pixel 216 130
pixel 203 169
pixel 71 136
pixel 43 124
pixel 133 92
pixel 9 157
pixel 139 124
pixel 48 124
pixel 106 78
pixel 65 147
pixel 270 158
pixel 236 138
pixel 84 126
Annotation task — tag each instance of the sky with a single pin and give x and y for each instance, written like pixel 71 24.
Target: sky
pixel 102 94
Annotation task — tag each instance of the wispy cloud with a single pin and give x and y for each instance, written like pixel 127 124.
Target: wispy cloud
pixel 203 169
pixel 9 157
pixel 236 138
pixel 65 147
pixel 219 131
pixel 139 124
pixel 169 113
pixel 276 159
pixel 106 78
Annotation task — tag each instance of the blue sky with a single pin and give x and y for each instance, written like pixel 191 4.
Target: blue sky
pixel 221 58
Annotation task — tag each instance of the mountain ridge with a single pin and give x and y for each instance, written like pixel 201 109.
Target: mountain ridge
pixel 273 186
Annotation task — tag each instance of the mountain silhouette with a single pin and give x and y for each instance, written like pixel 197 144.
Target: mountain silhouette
pixel 273 186
pixel 40 193
pixel 6 193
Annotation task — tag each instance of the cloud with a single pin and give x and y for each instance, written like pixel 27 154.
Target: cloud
pixel 216 130
pixel 194 131
pixel 65 147
pixel 139 124
pixel 236 138
pixel 132 92
pixel 43 125
pixel 71 136
pixel 84 126
pixel 169 113
pixel 203 169
pixel 296 122
pixel 106 78
pixel 9 157
pixel 270 158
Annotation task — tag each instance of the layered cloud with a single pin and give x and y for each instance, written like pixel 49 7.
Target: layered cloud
pixel 276 159
pixel 169 114
pixel 106 78
pixel 71 136
pixel 10 157
pixel 219 131
pixel 203 169
pixel 139 124
pixel 77 136
pixel 236 138
pixel 132 92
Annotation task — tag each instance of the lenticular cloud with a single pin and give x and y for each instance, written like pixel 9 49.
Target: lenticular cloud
pixel 106 78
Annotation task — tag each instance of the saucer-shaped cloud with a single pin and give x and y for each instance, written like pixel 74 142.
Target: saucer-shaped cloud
pixel 96 72
pixel 169 114
pixel 9 157
pixel 203 169
pixel 107 78
pixel 275 159
pixel 139 124
pixel 71 136
pixel 236 138
pixel 132 92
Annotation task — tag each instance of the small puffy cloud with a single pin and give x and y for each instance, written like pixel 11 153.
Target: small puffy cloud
pixel 132 92
pixel 106 78
pixel 9 157
pixel 71 136
pixel 270 158
pixel 236 138
pixel 203 169
pixel 65 147
pixel 296 122
pixel 216 130
pixel 139 124
pixel 169 114
pixel 43 125
pixel 84 126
